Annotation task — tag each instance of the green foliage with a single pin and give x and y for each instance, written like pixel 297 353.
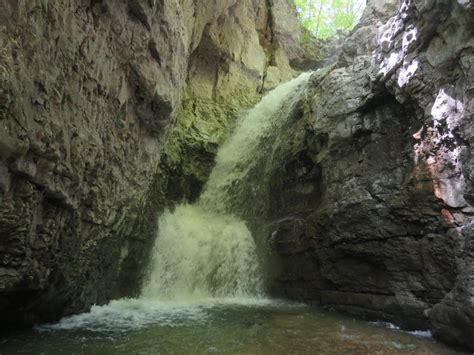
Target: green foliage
pixel 326 18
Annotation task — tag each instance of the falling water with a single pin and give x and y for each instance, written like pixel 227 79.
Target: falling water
pixel 204 291
pixel 200 254
pixel 204 250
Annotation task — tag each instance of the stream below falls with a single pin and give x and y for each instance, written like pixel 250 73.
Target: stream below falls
pixel 222 326
pixel 205 289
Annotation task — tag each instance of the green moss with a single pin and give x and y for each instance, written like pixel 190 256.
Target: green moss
pixel 190 148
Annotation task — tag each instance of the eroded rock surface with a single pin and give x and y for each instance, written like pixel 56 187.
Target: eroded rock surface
pixel 389 144
pixel 89 90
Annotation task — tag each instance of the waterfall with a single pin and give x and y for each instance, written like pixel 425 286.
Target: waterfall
pixel 205 250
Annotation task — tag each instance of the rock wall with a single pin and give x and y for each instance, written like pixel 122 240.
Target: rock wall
pixel 239 58
pixel 89 91
pixel 386 164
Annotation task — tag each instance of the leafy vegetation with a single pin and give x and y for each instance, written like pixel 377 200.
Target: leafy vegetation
pixel 327 18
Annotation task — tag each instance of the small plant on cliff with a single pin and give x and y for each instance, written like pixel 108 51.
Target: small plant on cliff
pixel 328 18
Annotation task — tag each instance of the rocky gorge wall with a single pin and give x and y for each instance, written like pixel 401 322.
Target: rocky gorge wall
pixel 374 202
pixel 89 92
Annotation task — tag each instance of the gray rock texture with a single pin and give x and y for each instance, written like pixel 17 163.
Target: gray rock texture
pixel 386 164
pixel 89 90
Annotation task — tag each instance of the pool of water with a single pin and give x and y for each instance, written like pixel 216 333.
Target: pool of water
pixel 215 326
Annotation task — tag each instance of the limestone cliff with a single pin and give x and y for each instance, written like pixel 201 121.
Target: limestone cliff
pixel 89 91
pixel 374 203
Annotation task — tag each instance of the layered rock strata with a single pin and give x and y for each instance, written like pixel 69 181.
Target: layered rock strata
pixel 384 223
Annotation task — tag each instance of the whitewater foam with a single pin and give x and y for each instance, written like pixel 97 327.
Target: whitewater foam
pixel 131 314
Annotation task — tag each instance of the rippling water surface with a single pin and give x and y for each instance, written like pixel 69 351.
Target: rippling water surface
pixel 227 326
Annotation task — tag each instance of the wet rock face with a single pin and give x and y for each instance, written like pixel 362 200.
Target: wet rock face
pixel 88 92
pixel 390 234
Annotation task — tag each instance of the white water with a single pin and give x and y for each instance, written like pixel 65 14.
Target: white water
pixel 204 256
pixel 239 154
pixel 205 289
pixel 130 314
pixel 199 254
pixel 203 250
